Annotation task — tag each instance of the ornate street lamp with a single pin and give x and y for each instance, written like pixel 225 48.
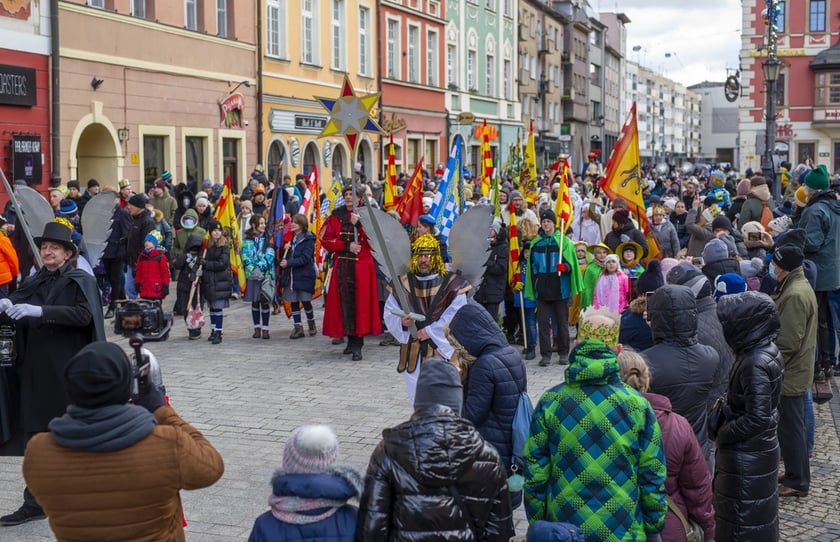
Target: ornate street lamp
pixel 771 73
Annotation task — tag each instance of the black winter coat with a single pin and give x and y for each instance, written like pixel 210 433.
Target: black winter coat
pixel 627 233
pixel 682 369
pixel 115 247
pixel 494 283
pixel 141 225
pixel 185 279
pixel 715 269
pixel 407 496
pixel 495 380
pixel 300 269
pixel 745 482
pixel 710 333
pixel 217 280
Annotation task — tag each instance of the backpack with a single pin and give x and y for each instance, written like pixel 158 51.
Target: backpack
pixel 521 424
pixel 766 214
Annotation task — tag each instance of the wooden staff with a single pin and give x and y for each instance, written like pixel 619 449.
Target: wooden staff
pixel 522 313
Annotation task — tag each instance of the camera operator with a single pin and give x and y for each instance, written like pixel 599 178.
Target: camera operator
pixel 55 313
pixel 112 470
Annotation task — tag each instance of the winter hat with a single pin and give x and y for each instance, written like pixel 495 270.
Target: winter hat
pixel 751 268
pixel 721 223
pixel 788 257
pixel 206 183
pixel 686 274
pixel 749 172
pixel 311 449
pixel 800 197
pixel 671 204
pixel 795 237
pixel 743 188
pixel 651 279
pixel 98 375
pixel 166 176
pixel 67 207
pixel 429 220
pixel 612 258
pixel 548 214
pixel 427 202
pixel 515 194
pixel 752 227
pixel 621 217
pixel 202 194
pixel 153 237
pixel 818 179
pixel 202 201
pixel 92 183
pixel 439 384
pixel 715 251
pixel 728 284
pixel 138 200
pixel 214 225
pixel 160 183
pixel 73 184
pixel 758 180
pixel 780 224
pixel 667 265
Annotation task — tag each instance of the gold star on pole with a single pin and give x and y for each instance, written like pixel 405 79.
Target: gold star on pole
pixel 350 114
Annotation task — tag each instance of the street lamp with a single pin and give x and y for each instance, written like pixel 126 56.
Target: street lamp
pixel 771 73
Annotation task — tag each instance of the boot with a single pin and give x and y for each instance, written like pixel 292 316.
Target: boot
pixel 217 338
pixel 298 332
pixel 313 330
pixel 212 336
pixel 257 333
pixel 265 334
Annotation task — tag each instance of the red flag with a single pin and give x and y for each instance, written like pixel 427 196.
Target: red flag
pixel 514 268
pixel 410 206
pixel 390 189
pixel 486 161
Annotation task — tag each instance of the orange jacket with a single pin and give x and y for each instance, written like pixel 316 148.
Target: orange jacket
pixel 8 260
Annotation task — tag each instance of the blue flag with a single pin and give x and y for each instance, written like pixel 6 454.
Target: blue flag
pixel 449 199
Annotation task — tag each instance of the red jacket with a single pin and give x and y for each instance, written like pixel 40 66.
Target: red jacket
pixel 8 260
pixel 151 277
pixel 688 483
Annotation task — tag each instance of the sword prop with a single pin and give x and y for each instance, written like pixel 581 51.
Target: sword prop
pixel 36 253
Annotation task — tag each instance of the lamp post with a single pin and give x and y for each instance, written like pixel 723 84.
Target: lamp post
pixel 771 72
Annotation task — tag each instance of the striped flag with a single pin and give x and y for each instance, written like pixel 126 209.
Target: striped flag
pixel 447 203
pixel 410 206
pixel 563 209
pixel 311 187
pixel 528 180
pixel 390 189
pixel 514 268
pixel 486 160
pixel 225 214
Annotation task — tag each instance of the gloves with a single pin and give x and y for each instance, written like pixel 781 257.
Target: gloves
pixel 5 304
pixel 190 258
pixel 561 267
pixel 518 286
pixel 152 400
pixel 165 290
pixel 199 272
pixel 24 310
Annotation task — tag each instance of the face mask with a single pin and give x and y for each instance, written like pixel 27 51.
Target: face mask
pixel 189 224
pixel 772 272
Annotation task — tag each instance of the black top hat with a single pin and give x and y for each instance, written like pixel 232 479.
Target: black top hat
pixel 57 233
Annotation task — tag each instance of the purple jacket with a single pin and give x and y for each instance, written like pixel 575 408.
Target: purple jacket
pixel 688 483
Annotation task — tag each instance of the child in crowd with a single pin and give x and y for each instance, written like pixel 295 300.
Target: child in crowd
pixel 299 274
pixel 187 266
pixel 613 287
pixel 631 257
pixel 151 276
pixel 216 279
pixel 592 273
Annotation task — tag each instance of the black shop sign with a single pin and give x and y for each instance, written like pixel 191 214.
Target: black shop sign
pixel 17 85
pixel 26 158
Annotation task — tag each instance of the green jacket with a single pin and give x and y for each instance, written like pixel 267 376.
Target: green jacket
pixel 569 258
pixel 590 279
pixel 594 456
pixel 797 340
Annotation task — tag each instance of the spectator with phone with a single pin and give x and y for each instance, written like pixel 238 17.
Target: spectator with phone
pixel 699 224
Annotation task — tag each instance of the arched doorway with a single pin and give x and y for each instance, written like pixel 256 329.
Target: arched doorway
pixel 339 162
pixel 310 158
pixel 96 155
pixel 364 158
pixel 277 165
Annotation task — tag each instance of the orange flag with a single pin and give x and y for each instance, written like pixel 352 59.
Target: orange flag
pixel 410 206
pixel 623 179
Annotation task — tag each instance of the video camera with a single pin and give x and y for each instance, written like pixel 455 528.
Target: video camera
pixel 145 370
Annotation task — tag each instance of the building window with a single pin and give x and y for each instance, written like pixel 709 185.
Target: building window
pixel 275 20
pixel 816 16
pixel 780 20
pixel 508 8
pixel 338 46
pixel 392 63
pixel 153 159
pixel 507 80
pixel 364 41
pixel 828 89
pixel 221 18
pixel 595 74
pixel 595 38
pixel 97 4
pixel 190 15
pixel 472 61
pixel 490 75
pixel 432 58
pixel 490 5
pixel 451 64
pixel 596 111
pixel 138 8
pixel 413 54
pixel 309 32
pixel 230 161
pixel 195 151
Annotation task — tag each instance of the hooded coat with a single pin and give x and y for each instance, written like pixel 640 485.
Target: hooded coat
pixel 821 222
pixel 634 330
pixel 300 271
pixel 495 380
pixel 141 225
pixel 747 459
pixel 494 283
pixel 594 457
pixel 627 232
pixel 115 246
pixel 682 369
pixel 407 496
pixel 185 280
pixel 179 246
pixel 182 207
pixel 217 280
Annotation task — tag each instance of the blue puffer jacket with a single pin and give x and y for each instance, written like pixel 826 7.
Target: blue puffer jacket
pixel 300 273
pixel 340 484
pixel 496 378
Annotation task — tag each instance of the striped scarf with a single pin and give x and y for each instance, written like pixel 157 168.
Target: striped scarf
pixel 295 510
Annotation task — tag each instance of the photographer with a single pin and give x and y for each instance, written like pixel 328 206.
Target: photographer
pixel 111 470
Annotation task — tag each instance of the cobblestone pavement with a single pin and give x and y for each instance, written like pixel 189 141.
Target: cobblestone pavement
pixel 247 395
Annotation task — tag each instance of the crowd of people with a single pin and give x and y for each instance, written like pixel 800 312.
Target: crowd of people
pixel 690 352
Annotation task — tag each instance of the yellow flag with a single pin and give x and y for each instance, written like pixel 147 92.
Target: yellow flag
pixel 225 214
pixel 530 161
pixel 334 193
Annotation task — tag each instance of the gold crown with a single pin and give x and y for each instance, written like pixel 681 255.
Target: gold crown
pixel 64 222
pixel 599 324
pixel 426 245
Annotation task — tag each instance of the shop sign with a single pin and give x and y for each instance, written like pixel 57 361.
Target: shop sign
pixel 230 110
pixel 292 122
pixel 26 158
pixel 17 85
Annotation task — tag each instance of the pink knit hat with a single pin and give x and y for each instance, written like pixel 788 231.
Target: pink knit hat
pixel 310 449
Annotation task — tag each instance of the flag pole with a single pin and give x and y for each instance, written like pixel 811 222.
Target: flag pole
pixel 522 313
pixel 562 236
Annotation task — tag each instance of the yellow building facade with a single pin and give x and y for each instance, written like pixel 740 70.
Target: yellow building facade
pixel 307 48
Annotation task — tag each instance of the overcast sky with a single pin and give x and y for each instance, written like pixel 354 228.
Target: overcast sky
pixel 703 38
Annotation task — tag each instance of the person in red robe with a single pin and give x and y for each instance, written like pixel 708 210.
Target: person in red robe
pixel 352 307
